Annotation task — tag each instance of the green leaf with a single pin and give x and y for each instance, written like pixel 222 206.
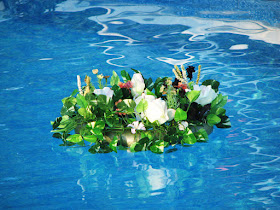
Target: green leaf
pixel 84 131
pixel 193 95
pixel 69 101
pixel 57 135
pixel 127 106
pixel 148 92
pixel 66 125
pixel 137 147
pixel 203 132
pixel 100 148
pixel 94 149
pixel 180 115
pixel 81 101
pixel 201 135
pixel 225 122
pixel 126 77
pixel 136 71
pixel 142 106
pixel 98 133
pixel 118 94
pixel 158 147
pixel 56 123
pixel 90 138
pixel 188 137
pixel 157 86
pixel 67 111
pixel 219 111
pixel 140 145
pixel 81 143
pixel 191 84
pixel 149 84
pixel 132 147
pixel 75 138
pixel 114 79
pixel 214 84
pixel 111 119
pixel 101 100
pixel 99 124
pixel 219 101
pixel 83 112
pixel 74 92
pixel 213 119
pixel 113 144
pixel 130 103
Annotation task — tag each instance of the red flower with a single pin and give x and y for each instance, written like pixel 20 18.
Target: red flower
pixel 126 85
pixel 183 86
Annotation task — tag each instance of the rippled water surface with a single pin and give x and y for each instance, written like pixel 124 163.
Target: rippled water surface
pixel 44 46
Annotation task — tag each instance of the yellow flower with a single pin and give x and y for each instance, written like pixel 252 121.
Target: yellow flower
pixel 100 76
pixel 95 71
pixel 87 80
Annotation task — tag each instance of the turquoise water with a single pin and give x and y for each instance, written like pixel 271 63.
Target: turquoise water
pixel 42 51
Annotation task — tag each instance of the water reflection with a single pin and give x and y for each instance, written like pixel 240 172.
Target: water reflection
pixel 241 164
pixel 176 40
pixel 135 175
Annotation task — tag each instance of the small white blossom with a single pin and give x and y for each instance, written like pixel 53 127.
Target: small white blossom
pixel 183 125
pixel 136 126
pixel 105 91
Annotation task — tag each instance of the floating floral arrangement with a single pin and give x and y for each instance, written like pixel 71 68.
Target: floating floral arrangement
pixel 139 114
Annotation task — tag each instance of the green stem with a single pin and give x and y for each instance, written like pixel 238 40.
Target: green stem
pixel 188 107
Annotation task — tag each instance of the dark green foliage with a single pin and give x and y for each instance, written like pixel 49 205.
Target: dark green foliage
pixel 87 119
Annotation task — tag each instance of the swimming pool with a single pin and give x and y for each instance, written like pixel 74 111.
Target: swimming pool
pixel 42 51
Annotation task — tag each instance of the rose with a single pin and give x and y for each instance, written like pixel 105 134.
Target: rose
pixel 105 91
pixel 157 110
pixel 137 101
pixel 144 96
pixel 150 98
pixel 207 94
pixel 138 84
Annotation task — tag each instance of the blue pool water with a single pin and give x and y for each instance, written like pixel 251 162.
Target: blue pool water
pixel 45 44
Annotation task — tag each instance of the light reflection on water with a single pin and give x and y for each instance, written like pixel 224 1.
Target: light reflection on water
pixel 192 40
pixel 238 168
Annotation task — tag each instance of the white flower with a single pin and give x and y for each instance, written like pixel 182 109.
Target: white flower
pixel 136 126
pixel 157 110
pixel 138 84
pixel 207 94
pixel 171 114
pixel 144 96
pixel 183 125
pixel 137 101
pixel 105 91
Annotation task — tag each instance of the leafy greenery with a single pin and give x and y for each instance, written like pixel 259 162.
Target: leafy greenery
pixel 102 119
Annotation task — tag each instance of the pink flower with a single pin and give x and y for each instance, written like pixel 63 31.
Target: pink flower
pixel 136 126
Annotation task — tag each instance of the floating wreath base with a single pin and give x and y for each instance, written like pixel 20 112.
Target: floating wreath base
pixel 141 114
pixel 126 138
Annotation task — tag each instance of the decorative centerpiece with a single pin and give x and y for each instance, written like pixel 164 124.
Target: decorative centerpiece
pixel 139 114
